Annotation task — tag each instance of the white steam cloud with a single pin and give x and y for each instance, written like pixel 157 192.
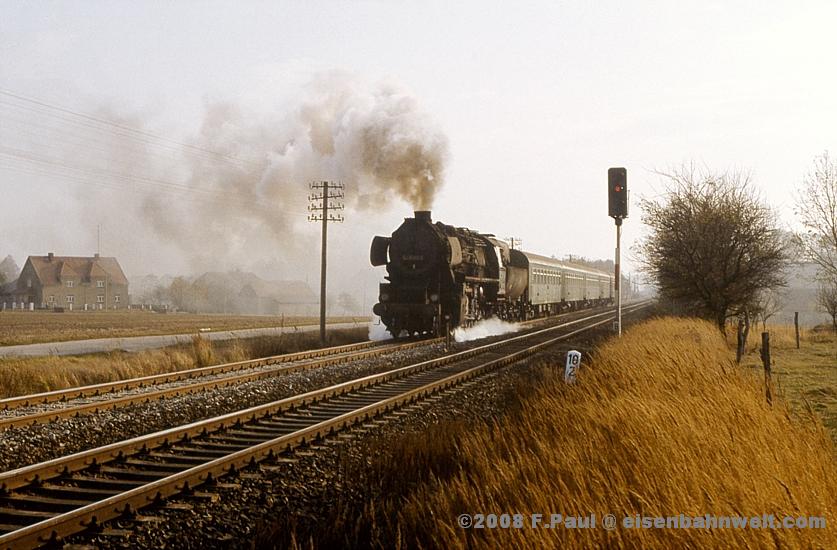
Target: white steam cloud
pixel 378 331
pixel 484 329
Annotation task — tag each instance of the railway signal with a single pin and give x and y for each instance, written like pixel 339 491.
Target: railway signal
pixel 319 208
pixel 617 194
pixel 617 208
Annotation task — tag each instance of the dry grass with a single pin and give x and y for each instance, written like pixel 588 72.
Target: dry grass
pixel 30 327
pixel 40 374
pixel 662 423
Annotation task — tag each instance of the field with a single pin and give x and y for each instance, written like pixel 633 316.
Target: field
pixel 805 377
pixel 19 376
pixel 33 327
pixel 661 423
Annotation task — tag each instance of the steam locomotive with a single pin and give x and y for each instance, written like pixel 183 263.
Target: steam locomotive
pixel 440 277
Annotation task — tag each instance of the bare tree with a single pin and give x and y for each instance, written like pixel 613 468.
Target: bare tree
pixel 767 303
pixel 817 210
pixel 827 299
pixel 713 244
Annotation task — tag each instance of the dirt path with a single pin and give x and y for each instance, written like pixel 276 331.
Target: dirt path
pixel 139 343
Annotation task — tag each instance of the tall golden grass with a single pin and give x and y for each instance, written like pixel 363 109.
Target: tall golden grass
pixel 661 423
pixel 20 376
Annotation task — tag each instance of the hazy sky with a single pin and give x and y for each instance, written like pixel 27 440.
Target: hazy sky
pixel 536 103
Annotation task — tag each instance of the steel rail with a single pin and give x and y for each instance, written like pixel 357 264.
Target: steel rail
pixel 95 390
pixel 70 411
pixel 335 355
pixel 23 476
pixel 188 477
pixel 155 379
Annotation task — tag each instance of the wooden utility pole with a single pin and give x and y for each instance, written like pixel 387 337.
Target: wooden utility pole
pixel 319 208
pixel 515 242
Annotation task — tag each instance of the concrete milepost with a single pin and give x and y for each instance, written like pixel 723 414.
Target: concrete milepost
pixel 571 368
pixel 617 208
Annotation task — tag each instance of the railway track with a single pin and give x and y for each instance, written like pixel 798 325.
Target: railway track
pixel 47 407
pixel 51 500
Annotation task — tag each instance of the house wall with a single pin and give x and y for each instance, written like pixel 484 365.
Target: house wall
pixel 93 296
pixel 30 290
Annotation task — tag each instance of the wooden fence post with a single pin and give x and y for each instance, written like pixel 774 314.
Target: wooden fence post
pixel 765 359
pixel 739 350
pixel 796 326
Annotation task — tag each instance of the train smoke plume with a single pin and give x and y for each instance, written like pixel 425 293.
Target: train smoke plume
pixel 231 194
pixel 378 138
pixel 373 138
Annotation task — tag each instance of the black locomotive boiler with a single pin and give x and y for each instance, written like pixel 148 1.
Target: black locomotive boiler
pixel 440 277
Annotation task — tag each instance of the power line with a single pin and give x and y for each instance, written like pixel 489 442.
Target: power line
pixel 133 132
pixel 45 168
pixel 32 156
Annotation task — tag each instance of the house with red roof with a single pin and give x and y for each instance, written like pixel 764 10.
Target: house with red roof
pixel 69 282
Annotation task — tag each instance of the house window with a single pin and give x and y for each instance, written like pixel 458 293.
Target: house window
pixel 51 299
pixel 100 283
pixel 70 298
pixel 28 283
pixel 100 298
pixel 69 284
pixel 116 298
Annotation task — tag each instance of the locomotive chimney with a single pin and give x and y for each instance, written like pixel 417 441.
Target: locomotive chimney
pixel 423 216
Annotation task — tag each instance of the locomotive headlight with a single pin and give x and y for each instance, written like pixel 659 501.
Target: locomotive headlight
pixel 384 297
pixel 434 298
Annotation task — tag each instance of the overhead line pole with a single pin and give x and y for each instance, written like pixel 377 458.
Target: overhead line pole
pixel 320 205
